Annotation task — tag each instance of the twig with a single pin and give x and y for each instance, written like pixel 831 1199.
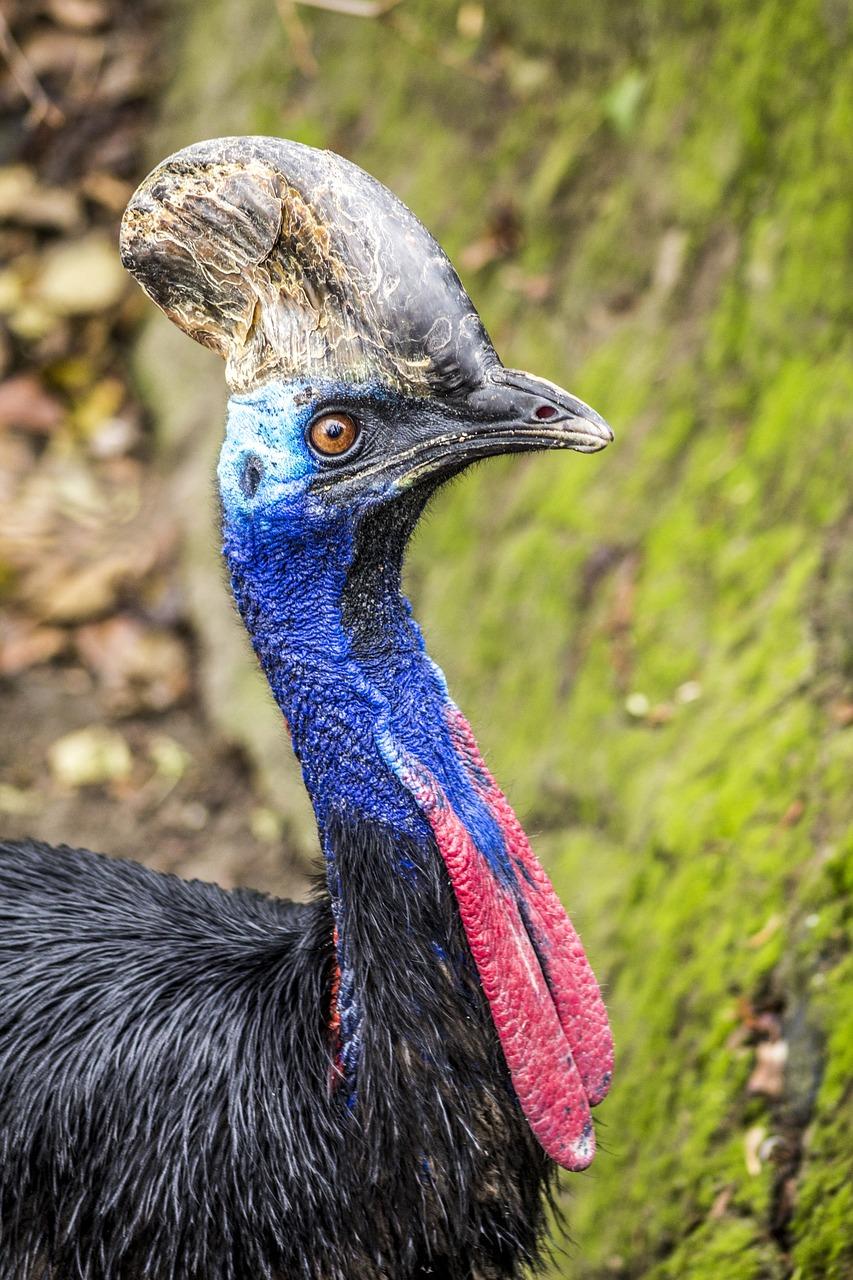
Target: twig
pixel 354 8
pixel 43 110
pixel 303 54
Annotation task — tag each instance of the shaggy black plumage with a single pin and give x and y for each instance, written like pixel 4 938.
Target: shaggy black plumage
pixel 168 1099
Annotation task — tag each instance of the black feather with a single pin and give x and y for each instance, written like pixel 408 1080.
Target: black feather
pixel 168 1098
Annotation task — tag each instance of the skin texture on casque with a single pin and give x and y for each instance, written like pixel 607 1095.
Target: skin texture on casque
pixel 293 262
pixel 205 1086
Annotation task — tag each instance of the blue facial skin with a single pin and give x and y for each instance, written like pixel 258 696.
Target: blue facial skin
pixel 289 551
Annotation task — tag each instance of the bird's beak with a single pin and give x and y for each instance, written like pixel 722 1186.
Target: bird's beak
pixel 510 412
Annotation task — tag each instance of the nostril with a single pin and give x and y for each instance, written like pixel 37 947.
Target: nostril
pixel 545 411
pixel 251 475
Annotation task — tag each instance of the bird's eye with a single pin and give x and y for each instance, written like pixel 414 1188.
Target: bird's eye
pixel 334 434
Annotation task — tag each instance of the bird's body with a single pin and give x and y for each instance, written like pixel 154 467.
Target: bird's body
pixel 185 1118
pixel 205 1086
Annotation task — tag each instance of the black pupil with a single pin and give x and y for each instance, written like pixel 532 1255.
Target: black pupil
pixel 334 428
pixel 253 474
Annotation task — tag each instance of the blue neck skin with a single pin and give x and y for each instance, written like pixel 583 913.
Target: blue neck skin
pixel 290 556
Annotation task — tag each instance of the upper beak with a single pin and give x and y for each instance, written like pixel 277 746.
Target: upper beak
pixel 510 412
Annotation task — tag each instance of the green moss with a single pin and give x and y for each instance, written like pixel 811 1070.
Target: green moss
pixel 651 644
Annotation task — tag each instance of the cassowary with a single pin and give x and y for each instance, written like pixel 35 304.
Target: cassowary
pixel 201 1085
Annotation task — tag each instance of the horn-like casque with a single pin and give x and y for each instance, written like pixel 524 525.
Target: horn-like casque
pixel 293 262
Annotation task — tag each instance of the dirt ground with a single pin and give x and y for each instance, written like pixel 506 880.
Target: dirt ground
pixel 104 741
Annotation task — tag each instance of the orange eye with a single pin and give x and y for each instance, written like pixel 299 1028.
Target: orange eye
pixel 333 434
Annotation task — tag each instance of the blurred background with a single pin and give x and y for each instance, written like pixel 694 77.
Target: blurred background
pixel 652 204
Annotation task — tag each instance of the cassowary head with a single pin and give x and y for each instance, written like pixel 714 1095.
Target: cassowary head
pixel 360 371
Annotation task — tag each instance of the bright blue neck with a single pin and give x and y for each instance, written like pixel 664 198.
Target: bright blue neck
pixel 347 665
pixel 341 680
pixel 290 592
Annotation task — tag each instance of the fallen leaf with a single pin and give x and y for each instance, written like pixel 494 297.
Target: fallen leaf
pixel 672 251
pixel 842 713
pixel 660 714
pixel 23 645
pixel 765 933
pixel 33 321
pixel 89 757
pixel 107 190
pixel 80 276
pixel 16 800
pixel 16 459
pixel 25 404
pixel 266 825
pixel 114 437
pixel 79 15
pixel 722 1200
pixel 73 594
pixel 25 201
pixel 168 757
pixel 637 705
pixel 140 668
pixel 768 1077
pixel 793 813
pixel 100 404
pixel 470 19
pixel 500 240
pixel 752 1140
pixel 192 816
pixel 59 54
pixel 535 288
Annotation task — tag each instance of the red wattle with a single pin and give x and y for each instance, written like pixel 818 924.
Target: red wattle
pixel 534 1044
pixel 573 986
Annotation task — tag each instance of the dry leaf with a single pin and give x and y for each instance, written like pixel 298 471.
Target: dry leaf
pixel 72 594
pixel 765 933
pixel 23 645
pixel 752 1140
pixel 79 15
pixel 793 813
pixel 23 200
pixel 107 190
pixel 470 20
pixel 842 713
pixel 140 668
pixel 25 404
pixel 77 277
pixel 768 1077
pixel 722 1200
pixel 90 756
